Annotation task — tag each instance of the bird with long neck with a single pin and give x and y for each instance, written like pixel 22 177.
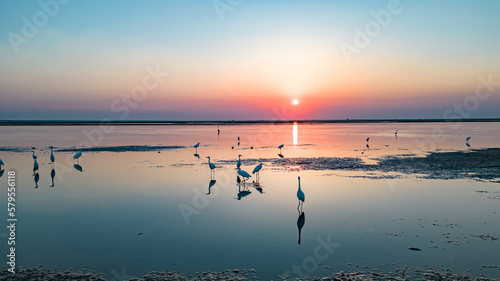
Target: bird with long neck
pixel 238 164
pixel 244 174
pixel 257 170
pixel 52 158
pixel 301 196
pixel 212 166
pixel 34 156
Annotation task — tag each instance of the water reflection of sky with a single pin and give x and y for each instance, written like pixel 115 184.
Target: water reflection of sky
pixel 92 217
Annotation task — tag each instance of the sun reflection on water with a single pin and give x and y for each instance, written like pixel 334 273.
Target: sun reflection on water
pixel 295 133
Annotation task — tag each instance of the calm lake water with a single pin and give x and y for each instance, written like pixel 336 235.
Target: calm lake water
pixel 93 217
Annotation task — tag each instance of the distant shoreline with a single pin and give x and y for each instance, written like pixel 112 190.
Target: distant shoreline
pixel 226 122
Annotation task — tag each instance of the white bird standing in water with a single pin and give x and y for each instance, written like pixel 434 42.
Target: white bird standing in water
pixel 280 147
pixel 211 165
pixel 244 174
pixel 196 146
pixel 238 164
pixel 52 158
pixel 257 170
pixel 77 156
pixel 300 195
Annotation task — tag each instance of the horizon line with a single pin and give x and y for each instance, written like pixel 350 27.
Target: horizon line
pixel 229 122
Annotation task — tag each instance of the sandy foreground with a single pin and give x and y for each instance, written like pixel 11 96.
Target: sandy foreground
pixel 402 273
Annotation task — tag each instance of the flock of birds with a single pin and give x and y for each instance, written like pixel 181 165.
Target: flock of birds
pixel 246 176
pixel 36 165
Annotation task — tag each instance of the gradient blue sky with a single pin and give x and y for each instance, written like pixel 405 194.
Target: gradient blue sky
pixel 252 63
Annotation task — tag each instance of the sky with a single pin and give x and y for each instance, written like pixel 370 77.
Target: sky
pixel 248 60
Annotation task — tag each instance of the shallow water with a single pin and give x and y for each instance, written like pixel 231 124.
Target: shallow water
pixel 93 217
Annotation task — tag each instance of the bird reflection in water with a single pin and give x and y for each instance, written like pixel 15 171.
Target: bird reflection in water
pixel 212 183
pixel 35 166
pixel 37 178
pixel 300 223
pixel 78 167
pixel 242 192
pixel 52 176
pixel 196 155
pixel 258 187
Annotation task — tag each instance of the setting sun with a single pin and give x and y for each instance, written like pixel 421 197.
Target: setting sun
pixel 295 102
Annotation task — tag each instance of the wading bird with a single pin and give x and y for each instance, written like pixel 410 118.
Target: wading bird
pixel 52 158
pixel 467 139
pixel 280 147
pixel 238 164
pixel 77 156
pixel 257 170
pixel 196 146
pixel 301 196
pixel 34 156
pixel 35 166
pixel 212 167
pixel 396 133
pixel 244 174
